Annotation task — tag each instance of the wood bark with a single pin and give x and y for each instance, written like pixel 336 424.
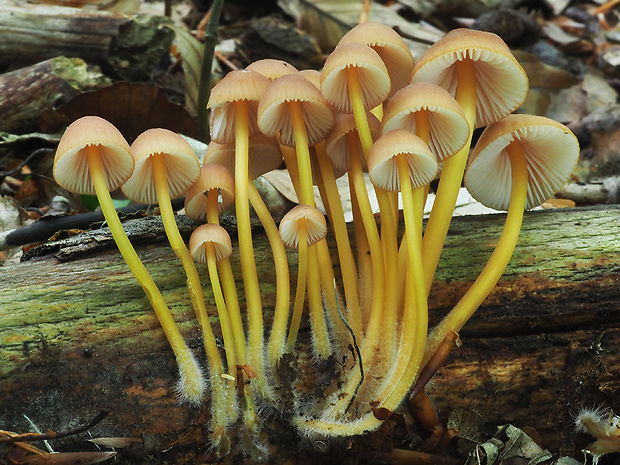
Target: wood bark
pixel 130 47
pixel 77 335
pixel 44 85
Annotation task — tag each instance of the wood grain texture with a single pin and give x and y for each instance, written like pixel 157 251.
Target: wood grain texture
pixel 77 336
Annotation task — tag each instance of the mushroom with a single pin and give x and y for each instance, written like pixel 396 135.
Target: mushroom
pixel 272 69
pixel 212 194
pixel 93 157
pixel 234 103
pixel 263 156
pixel 431 113
pixel 300 228
pixel 210 244
pixel 400 160
pixel 295 110
pixel 487 81
pixel 354 80
pixel 389 45
pixel 517 164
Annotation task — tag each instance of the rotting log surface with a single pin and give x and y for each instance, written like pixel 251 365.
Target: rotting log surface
pixel 78 336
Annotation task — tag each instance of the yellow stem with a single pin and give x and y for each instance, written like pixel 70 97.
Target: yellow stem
pixel 363 258
pixel 496 265
pixel 283 291
pixel 246 248
pixel 300 293
pixel 359 111
pixel 320 336
pixel 345 254
pixel 177 244
pixel 192 381
pixel 306 194
pixel 451 176
pixel 415 320
pixel 227 333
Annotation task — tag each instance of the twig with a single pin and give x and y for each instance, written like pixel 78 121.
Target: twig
pixel 26 437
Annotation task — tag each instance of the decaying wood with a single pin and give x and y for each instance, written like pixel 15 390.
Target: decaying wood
pixel 129 46
pixel 47 84
pixel 78 336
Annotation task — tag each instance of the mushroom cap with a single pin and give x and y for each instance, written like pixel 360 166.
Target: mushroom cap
pixel 214 234
pixel 551 151
pixel 390 46
pixel 336 145
pixel 264 155
pixel 274 115
pixel 182 166
pixel 448 126
pixel 272 69
pixel 373 76
pixel 501 82
pixel 382 164
pixel 313 76
pixel 212 176
pixel 71 166
pixel 316 227
pixel 235 86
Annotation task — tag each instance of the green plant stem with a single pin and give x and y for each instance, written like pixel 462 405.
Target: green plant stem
pixel 210 40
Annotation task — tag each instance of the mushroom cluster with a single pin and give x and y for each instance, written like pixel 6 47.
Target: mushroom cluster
pixel 370 110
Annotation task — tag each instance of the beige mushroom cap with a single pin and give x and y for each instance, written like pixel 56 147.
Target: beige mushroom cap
pixel 551 151
pixel 373 76
pixel 274 115
pixel 182 166
pixel 235 86
pixel 501 82
pixel 448 126
pixel 210 233
pixel 336 145
pixel 213 176
pixel 70 164
pixel 390 46
pixel 316 226
pixel 272 69
pixel 264 155
pixel 382 166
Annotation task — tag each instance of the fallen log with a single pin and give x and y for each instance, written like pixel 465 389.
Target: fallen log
pixel 129 47
pixel 50 83
pixel 77 336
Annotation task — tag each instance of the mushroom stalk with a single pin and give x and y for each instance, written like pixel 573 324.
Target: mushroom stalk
pixel 345 254
pixel 359 112
pixel 192 383
pixel 451 176
pixel 177 244
pixel 300 292
pixel 246 248
pixel 306 194
pixel 496 265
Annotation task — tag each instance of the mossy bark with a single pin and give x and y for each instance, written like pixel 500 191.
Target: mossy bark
pixel 78 335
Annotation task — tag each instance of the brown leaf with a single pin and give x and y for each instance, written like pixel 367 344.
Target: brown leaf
pixel 132 107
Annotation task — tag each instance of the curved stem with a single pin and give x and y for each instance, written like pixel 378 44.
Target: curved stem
pixel 275 347
pixel 177 244
pixel 192 383
pixel 451 176
pixel 300 292
pixel 496 265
